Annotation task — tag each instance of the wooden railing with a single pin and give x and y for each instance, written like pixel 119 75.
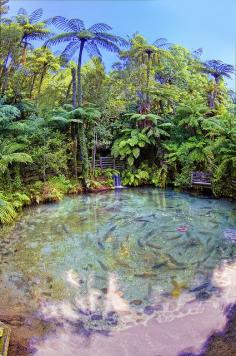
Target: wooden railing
pixel 105 163
pixel 109 162
pixel 201 178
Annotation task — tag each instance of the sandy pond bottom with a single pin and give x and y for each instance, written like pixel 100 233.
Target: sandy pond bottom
pixel 132 272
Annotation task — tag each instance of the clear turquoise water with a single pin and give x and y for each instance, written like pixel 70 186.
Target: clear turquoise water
pixel 92 252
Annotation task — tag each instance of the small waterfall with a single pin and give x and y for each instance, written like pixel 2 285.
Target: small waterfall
pixel 117 181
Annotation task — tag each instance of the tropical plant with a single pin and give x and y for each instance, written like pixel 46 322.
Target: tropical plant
pixel 82 116
pixel 7 211
pixel 218 70
pixel 4 7
pixel 147 54
pixel 10 153
pixel 33 28
pixel 79 37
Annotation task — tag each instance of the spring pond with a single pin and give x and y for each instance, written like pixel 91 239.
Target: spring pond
pixel 141 272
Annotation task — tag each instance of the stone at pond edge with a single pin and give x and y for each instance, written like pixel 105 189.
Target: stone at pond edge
pixel 4 339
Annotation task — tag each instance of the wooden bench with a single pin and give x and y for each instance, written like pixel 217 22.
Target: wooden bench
pixel 201 178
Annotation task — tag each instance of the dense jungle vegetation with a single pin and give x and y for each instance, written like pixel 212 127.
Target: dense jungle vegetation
pixel 161 109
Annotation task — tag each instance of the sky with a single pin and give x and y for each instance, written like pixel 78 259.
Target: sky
pixel 207 24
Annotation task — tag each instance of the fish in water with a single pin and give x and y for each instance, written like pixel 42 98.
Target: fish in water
pixel 157 247
pixel 190 243
pixel 201 287
pixel 174 238
pixel 182 228
pixel 136 302
pixel 108 233
pixel 100 244
pixel 122 263
pixel 65 228
pixel 159 265
pixel 104 267
pixel 173 261
pixel 140 243
pixel 142 220
pixel 177 288
pixel 145 274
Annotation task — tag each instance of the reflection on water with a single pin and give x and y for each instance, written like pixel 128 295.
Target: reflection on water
pixel 146 265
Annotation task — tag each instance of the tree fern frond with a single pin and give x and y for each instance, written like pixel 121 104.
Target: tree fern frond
pixel 62 37
pixel 108 45
pixel 7 211
pixel 100 27
pixel 76 25
pixel 70 50
pixel 92 49
pixel 22 11
pixel 60 22
pixel 115 39
pixel 36 16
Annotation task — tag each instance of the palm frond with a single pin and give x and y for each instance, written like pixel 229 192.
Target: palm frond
pixel 60 22
pixel 22 11
pixel 120 41
pixel 108 45
pixel 36 16
pixel 162 43
pixel 76 25
pixel 100 27
pixel 42 35
pixel 62 37
pixel 92 49
pixel 70 50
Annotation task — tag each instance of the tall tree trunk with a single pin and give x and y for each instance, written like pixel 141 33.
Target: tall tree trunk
pixel 68 92
pixel 79 73
pixel 82 136
pixel 24 54
pixel 5 74
pixel 32 86
pixel 74 125
pixel 148 79
pixel 4 66
pixel 42 77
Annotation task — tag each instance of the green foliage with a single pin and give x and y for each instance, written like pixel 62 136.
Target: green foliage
pixel 136 177
pixel 7 211
pixel 9 154
pixel 51 191
pixel 160 109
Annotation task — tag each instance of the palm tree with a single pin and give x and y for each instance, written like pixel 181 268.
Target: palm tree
pixel 33 28
pixel 4 7
pixel 80 38
pixel 148 54
pixel 218 70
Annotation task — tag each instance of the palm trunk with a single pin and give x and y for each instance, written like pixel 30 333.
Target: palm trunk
pixel 32 86
pixel 81 134
pixel 24 54
pixel 68 92
pixel 5 74
pixel 4 66
pixel 41 78
pixel 148 80
pixel 74 126
pixel 79 73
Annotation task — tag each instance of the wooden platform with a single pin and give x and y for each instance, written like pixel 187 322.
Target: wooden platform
pixel 202 179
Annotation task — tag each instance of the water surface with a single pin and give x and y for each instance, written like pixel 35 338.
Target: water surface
pixel 136 271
